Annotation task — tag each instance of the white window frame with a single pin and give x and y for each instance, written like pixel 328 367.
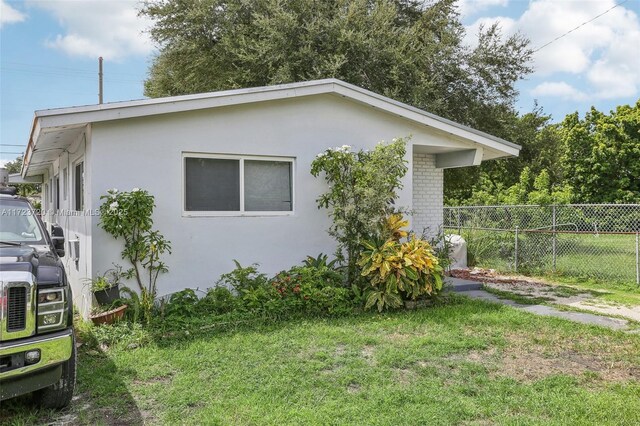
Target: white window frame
pixel 241 159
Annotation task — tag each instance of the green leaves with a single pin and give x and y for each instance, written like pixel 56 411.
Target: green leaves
pixel 399 270
pixel 362 185
pixel 602 155
pixel 128 216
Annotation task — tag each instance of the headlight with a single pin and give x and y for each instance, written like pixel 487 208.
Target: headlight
pixel 51 296
pixel 52 309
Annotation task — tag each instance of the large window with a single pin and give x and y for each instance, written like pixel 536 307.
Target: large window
pixel 79 186
pixel 237 185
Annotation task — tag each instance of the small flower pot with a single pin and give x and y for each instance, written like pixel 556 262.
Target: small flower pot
pixel 109 317
pixel 107 296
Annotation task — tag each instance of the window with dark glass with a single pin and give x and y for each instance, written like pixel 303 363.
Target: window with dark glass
pixel 79 187
pixel 238 184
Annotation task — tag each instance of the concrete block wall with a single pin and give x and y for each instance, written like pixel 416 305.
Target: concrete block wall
pixel 427 194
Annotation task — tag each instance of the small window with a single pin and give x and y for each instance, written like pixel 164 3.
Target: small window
pixel 57 193
pixel 65 183
pixel 237 184
pixel 79 186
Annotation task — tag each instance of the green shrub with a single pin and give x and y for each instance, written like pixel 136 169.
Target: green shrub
pixel 243 278
pixel 308 290
pixel 314 291
pixel 396 270
pixel 122 334
pixel 218 300
pixel 128 216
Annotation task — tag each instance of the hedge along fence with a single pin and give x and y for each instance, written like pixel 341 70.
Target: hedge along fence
pixel 583 240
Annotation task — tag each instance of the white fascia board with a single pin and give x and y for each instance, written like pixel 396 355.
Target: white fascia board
pixel 427 119
pixel 120 110
pixel 131 109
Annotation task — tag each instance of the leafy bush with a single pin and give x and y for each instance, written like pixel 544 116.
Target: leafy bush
pixel 314 291
pixel 307 290
pixel 218 300
pixel 128 215
pixel 396 270
pixel 243 278
pixel 322 261
pixel 121 334
pixel 363 186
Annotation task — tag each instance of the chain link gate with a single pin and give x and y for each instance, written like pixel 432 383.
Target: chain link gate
pixel 582 240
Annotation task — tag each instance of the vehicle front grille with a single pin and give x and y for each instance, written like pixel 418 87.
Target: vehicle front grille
pixel 16 308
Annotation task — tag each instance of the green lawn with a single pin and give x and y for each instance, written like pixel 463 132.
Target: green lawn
pixel 466 362
pixel 607 258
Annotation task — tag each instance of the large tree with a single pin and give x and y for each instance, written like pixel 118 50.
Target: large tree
pixel 412 51
pixel 602 155
pixel 541 150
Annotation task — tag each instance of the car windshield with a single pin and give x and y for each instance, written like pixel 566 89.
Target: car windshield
pixel 18 223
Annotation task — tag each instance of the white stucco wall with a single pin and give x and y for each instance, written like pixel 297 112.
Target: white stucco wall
pixel 147 153
pixel 427 194
pixel 76 224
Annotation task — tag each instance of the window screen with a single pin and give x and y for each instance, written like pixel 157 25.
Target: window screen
pixel 79 187
pixel 57 195
pixel 212 184
pixel 267 186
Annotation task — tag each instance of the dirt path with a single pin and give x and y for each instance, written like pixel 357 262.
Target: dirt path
pixel 541 292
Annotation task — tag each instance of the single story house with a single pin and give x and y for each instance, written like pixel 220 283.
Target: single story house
pixel 230 172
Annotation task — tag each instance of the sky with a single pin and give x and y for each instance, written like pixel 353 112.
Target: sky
pixel 49 53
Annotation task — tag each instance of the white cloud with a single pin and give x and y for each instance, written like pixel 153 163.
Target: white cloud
pixel 602 52
pixel 9 15
pixel 558 89
pixel 108 28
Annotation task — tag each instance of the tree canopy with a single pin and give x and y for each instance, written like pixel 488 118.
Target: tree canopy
pixel 409 50
pixel 412 51
pixel 602 155
pixel 590 160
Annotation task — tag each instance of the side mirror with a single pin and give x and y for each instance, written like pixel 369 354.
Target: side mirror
pixel 57 237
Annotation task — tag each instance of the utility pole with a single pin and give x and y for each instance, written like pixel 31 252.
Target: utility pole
pixel 100 80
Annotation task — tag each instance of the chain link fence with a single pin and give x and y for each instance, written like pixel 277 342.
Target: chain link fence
pixel 582 240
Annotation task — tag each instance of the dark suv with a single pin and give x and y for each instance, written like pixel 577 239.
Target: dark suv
pixel 37 344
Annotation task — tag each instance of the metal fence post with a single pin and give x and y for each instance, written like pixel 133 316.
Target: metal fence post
pixel 555 237
pixel 459 224
pixel 515 263
pixel 638 258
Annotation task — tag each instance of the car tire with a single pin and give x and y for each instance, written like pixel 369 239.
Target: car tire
pixel 59 394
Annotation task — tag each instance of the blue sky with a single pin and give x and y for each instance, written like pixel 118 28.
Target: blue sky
pixel 49 51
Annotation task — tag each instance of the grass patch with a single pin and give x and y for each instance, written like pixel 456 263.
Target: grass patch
pixel 464 362
pixel 518 298
pixel 607 291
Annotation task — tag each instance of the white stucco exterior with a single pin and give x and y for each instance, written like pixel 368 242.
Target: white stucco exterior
pixel 146 151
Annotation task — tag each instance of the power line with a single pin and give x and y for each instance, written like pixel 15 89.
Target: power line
pixel 579 26
pixel 66 69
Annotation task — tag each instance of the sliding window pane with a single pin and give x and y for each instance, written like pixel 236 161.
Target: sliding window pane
pixel 212 184
pixel 267 186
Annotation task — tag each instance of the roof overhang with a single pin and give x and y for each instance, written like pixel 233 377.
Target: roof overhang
pixel 54 129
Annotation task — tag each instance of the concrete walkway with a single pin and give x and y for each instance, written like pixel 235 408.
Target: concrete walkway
pixel 473 289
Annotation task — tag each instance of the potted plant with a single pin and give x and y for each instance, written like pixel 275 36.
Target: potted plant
pixel 101 316
pixel 106 287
